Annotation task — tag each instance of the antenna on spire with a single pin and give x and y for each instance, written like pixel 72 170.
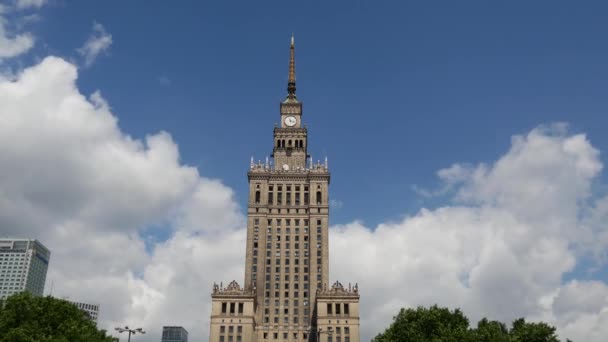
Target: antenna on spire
pixel 291 82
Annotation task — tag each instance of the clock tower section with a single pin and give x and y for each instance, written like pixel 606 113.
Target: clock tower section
pixel 290 138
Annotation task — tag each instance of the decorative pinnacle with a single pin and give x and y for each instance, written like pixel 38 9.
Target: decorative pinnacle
pixel 291 82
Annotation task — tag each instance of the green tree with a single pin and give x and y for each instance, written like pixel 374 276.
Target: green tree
pixel 24 318
pixel 437 324
pixel 523 331
pixel 490 331
pixel 427 325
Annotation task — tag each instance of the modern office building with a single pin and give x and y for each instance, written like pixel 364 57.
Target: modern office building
pixel 174 334
pixel 91 309
pixel 286 296
pixel 23 266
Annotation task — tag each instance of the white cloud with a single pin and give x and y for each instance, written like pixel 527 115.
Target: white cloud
pixel 12 45
pixel 73 179
pixel 517 227
pixel 23 4
pixel 99 41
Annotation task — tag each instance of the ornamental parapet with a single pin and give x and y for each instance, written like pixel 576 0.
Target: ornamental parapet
pixel 232 290
pixel 338 290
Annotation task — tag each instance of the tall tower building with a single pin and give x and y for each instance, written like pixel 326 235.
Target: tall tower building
pixel 286 296
pixel 23 266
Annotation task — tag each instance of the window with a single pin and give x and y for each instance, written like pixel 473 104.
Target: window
pixel 240 308
pixel 318 197
pixel 222 329
pixel 224 307
pixel 232 308
pixel 338 308
pixel 222 338
pixel 346 309
pixel 257 197
pixel 231 329
pixel 329 308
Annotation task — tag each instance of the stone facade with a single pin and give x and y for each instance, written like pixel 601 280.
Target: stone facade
pixel 287 252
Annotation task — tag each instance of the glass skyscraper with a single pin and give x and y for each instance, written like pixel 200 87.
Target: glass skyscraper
pixel 23 266
pixel 174 334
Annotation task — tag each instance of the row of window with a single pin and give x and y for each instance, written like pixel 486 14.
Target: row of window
pixel 338 308
pixel 286 294
pixel 231 338
pixel 330 337
pixel 231 329
pixel 231 307
pixel 279 222
pixel 286 302
pixel 295 320
pixel 275 336
pixel 295 311
pixel 296 200
pixel 287 285
pixel 297 143
pixel 287 195
pixel 277 245
pixel 287 253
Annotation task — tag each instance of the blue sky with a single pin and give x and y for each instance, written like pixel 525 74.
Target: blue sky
pixel 393 91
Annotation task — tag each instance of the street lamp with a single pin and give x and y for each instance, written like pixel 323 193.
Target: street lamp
pixel 320 331
pixel 130 331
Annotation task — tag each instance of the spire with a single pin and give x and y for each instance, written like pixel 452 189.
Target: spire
pixel 291 82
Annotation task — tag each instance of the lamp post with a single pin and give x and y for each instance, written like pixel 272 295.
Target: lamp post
pixel 320 331
pixel 130 331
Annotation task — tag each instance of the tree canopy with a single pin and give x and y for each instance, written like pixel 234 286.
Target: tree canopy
pixel 437 324
pixel 25 318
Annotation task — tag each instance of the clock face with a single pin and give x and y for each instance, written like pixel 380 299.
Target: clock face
pixel 290 121
pixel 285 167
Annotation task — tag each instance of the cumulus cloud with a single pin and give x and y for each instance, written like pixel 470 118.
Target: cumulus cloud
pixel 72 179
pixel 501 247
pixel 98 42
pixel 515 228
pixel 12 45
